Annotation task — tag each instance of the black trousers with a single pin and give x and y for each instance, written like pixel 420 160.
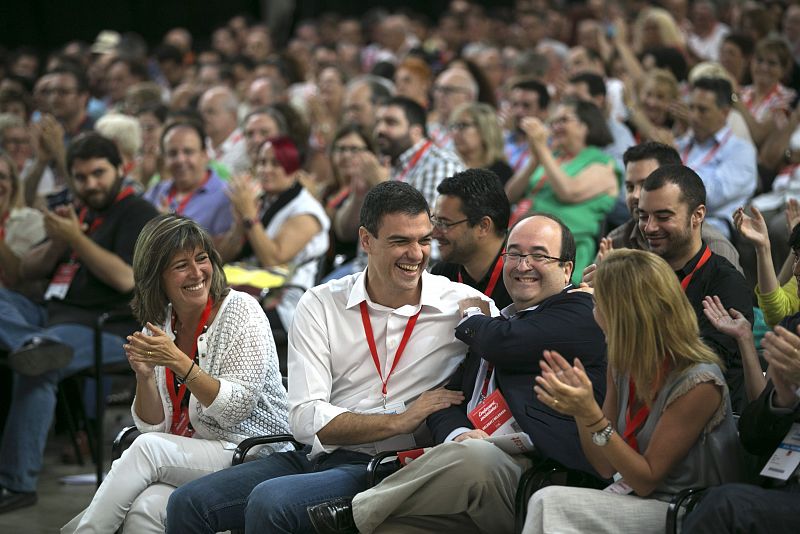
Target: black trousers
pixel 744 508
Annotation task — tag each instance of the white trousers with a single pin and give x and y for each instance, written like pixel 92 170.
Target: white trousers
pixel 454 487
pixel 563 510
pixel 139 484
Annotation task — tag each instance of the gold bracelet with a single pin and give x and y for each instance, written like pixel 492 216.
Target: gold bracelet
pixel 196 375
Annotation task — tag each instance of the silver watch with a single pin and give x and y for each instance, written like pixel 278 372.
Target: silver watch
pixel 601 438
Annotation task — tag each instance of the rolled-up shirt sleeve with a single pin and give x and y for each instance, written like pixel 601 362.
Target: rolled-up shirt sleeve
pixel 310 378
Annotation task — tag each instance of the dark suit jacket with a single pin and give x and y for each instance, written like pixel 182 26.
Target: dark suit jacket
pixel 760 429
pixel 563 322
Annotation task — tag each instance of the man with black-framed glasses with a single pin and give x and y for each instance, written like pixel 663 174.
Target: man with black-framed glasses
pixel 466 483
pixel 469 219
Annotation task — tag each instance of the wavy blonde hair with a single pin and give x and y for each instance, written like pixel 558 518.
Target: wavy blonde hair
pixel 648 319
pixel 485 118
pixel 668 31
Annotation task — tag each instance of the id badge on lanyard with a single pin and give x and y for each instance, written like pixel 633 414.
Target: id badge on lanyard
pixel 61 281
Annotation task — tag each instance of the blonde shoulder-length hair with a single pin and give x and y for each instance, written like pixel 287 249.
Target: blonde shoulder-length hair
pixel 486 122
pixel 668 32
pixel 649 322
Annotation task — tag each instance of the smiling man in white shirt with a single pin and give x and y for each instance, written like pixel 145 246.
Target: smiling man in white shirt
pixel 367 357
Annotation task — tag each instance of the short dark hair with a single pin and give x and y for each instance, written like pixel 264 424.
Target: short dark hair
pixel 588 113
pixel 742 41
pixel 390 197
pixel 568 248
pixel 722 89
pixel 595 82
pixel 137 68
pixel 167 52
pixel 415 114
pixel 693 192
pixel 183 123
pixel 92 145
pixel 81 81
pixel 663 154
pixel 482 195
pixel 529 84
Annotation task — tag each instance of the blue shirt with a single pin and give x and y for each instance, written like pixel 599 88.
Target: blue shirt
pixel 209 206
pixel 727 165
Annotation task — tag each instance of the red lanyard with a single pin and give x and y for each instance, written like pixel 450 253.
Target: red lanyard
pixel 374 350
pixel 751 104
pixel 703 260
pixel 707 158
pixel 175 390
pixel 521 159
pixel 633 421
pixel 498 268
pixel 98 221
pixel 414 160
pixel 182 206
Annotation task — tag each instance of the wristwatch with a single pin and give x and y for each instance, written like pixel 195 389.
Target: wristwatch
pixel 472 310
pixel 601 438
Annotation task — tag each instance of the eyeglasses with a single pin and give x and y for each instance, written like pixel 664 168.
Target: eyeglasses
pixel 60 91
pixel 513 259
pixel 557 121
pixel 444 225
pixel 346 149
pixel 461 126
pixel 449 89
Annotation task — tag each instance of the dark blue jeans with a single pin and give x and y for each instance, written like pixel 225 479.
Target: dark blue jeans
pixel 266 495
pixel 746 508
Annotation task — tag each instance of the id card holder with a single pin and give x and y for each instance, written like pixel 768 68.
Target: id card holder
pixel 786 458
pixel 395 443
pixel 62 279
pixel 619 487
pixel 493 416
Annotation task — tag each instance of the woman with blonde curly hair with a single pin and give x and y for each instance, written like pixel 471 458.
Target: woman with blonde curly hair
pixel 655 27
pixel 666 422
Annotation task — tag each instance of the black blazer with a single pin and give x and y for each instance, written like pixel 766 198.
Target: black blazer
pixel 760 429
pixel 563 322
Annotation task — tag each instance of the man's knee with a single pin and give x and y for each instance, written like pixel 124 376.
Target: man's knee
pixel 269 504
pixel 184 505
pixel 480 461
pixel 721 506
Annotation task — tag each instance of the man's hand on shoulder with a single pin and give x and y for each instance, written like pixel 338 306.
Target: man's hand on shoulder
pixel 427 403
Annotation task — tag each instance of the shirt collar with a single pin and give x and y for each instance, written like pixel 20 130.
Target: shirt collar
pixel 715 139
pixel 406 156
pixel 431 293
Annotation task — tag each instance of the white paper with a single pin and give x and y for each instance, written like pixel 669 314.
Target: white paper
pixel 786 458
pixel 516 443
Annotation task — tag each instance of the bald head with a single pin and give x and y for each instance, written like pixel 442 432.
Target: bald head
pixel 218 107
pixel 453 87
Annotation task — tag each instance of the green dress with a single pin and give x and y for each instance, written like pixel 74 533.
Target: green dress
pixel 584 219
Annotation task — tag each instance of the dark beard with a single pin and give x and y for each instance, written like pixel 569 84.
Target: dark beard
pixel 107 199
pixel 395 147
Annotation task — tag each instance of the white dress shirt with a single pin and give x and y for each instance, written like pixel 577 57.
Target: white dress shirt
pixel 331 370
pixel 232 153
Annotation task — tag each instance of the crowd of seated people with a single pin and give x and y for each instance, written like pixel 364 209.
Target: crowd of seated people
pixel 584 213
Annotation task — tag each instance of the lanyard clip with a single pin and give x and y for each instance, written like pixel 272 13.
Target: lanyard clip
pixel 384 401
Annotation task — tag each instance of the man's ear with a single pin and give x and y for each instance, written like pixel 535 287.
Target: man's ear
pixel 364 238
pixel 698 215
pixel 416 133
pixel 485 226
